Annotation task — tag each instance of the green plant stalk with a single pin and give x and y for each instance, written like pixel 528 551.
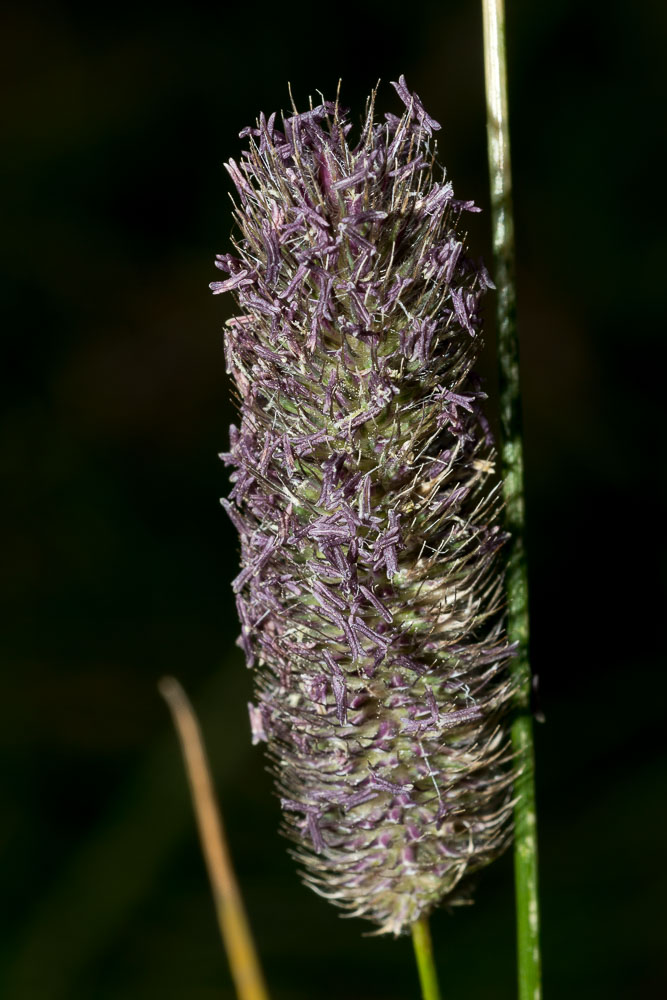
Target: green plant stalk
pixel 525 823
pixel 428 977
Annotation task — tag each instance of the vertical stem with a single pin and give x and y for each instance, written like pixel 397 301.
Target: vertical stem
pixel 525 839
pixel 234 927
pixel 428 977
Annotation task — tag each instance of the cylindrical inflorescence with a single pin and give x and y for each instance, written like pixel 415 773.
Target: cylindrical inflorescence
pixel 370 595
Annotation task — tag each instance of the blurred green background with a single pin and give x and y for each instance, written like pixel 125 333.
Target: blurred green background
pixel 118 559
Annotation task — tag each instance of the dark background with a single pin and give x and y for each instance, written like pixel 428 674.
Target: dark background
pixel 118 558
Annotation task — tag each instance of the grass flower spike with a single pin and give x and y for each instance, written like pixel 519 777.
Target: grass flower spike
pixel 370 593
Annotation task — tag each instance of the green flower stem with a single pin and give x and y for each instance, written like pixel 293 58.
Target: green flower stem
pixel 428 977
pixel 525 840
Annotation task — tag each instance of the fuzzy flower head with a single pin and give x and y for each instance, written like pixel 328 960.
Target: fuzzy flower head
pixel 370 590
